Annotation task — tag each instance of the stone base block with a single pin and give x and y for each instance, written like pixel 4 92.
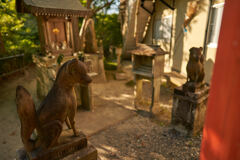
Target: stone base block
pixel 188 112
pixel 121 76
pixel 68 145
pixel 87 153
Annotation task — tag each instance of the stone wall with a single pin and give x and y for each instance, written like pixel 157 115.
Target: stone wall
pixel 46 70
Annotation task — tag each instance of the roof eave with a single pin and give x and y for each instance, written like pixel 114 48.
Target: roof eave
pixel 21 7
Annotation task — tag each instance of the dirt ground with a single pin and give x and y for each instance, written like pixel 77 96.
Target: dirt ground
pixel 113 126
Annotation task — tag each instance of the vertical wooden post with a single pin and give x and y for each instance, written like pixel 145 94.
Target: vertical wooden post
pixel 76 34
pixel 138 88
pixel 72 38
pixel 2 47
pixel 44 40
pixel 221 134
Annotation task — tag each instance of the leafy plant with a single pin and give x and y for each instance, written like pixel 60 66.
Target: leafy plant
pixel 19 31
pixel 81 57
pixel 108 30
pixel 109 65
pixel 60 59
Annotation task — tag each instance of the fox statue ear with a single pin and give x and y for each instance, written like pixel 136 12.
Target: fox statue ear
pixel 200 49
pixel 72 66
pixel 191 49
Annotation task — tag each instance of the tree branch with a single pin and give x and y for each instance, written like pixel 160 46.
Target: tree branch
pixel 105 5
pixel 89 2
pixel 2 47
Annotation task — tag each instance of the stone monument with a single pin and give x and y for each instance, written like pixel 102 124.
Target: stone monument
pixel 189 100
pixel 42 128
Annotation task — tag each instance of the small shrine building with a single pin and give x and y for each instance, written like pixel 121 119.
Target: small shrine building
pixel 57 23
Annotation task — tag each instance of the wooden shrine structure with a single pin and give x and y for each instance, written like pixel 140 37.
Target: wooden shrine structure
pixel 57 23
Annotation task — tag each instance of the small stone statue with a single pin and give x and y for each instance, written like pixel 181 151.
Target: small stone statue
pixel 195 68
pixel 59 105
pixel 189 100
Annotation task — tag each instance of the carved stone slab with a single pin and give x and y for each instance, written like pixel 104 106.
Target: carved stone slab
pixel 87 153
pixel 67 146
pixel 188 112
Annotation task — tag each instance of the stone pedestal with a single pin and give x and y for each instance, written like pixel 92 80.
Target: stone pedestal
pixel 84 96
pixel 119 53
pixel 96 65
pixel 69 147
pixel 188 112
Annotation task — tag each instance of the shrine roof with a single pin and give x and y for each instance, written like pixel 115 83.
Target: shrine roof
pixel 147 50
pixel 52 7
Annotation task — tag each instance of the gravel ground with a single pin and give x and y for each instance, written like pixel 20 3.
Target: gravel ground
pixel 139 138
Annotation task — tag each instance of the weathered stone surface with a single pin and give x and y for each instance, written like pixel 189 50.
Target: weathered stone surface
pixel 84 96
pixel 101 69
pixel 121 76
pixel 46 73
pixel 45 79
pixel 96 65
pixel 67 145
pixel 69 148
pixel 87 153
pixel 119 54
pixel 148 64
pixel 189 108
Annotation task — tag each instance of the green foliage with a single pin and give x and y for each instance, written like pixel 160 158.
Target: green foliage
pixel 109 65
pixel 81 57
pixel 60 59
pixel 108 30
pixel 97 4
pixel 84 2
pixel 107 26
pixel 19 31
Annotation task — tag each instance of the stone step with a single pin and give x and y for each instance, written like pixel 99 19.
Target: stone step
pixel 87 153
pixel 175 79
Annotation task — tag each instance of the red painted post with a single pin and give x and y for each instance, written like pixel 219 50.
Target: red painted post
pixel 221 134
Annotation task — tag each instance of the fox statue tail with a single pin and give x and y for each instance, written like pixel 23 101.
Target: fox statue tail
pixel 27 115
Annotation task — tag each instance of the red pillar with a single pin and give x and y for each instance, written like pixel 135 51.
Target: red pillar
pixel 221 134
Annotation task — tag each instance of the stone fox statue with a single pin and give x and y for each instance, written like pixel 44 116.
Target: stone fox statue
pixel 195 68
pixel 59 105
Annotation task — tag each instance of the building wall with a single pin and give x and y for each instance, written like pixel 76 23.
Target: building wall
pixel 193 35
pixel 129 41
pixel 183 37
pixel 210 55
pixel 143 18
pixel 161 11
pixel 133 24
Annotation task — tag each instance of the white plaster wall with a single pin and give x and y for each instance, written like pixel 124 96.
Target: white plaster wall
pixel 193 37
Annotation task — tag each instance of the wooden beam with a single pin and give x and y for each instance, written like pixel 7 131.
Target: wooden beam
pixel 76 37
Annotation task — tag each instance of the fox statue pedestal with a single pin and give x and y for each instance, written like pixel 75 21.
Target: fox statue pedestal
pixel 188 112
pixel 68 148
